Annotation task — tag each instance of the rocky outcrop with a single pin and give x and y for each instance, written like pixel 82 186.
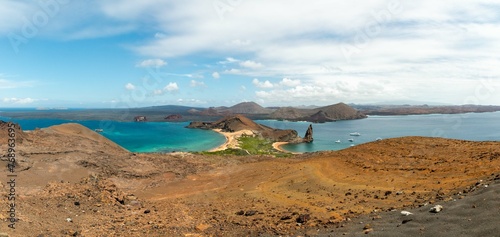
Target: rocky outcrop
pixel 4 131
pixel 173 117
pixel 309 134
pixel 239 122
pixel 140 119
pixel 319 117
pixel 230 124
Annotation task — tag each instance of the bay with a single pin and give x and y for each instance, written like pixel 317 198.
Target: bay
pixel 173 136
pixel 141 137
pixel 470 126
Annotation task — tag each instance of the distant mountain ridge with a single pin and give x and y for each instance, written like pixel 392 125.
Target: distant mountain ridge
pixel 252 110
pixel 340 111
pixel 248 108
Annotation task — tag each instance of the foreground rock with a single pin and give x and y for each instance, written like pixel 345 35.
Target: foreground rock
pixel 4 131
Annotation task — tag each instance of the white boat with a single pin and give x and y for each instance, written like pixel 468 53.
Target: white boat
pixel 98 130
pixel 378 139
pixel 355 134
pixel 338 141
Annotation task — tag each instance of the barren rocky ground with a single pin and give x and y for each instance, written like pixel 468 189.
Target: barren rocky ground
pixel 73 182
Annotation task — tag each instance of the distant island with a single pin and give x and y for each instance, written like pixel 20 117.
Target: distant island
pixel 251 110
pixel 424 109
pixel 231 124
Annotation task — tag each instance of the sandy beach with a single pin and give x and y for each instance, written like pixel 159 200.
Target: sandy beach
pixel 231 139
pixel 277 146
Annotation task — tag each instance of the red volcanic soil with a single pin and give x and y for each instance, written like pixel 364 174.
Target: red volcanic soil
pixel 73 182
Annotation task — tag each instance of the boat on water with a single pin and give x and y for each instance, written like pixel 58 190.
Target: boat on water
pixel 355 134
pixel 351 140
pixel 338 141
pixel 378 139
pixel 98 130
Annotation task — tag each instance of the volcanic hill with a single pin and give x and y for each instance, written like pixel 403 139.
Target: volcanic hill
pixel 340 111
pixel 240 122
pixel 73 182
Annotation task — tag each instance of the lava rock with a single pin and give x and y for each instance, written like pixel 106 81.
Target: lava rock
pixel 303 218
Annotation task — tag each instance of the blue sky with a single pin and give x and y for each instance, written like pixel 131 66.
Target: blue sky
pixel 127 53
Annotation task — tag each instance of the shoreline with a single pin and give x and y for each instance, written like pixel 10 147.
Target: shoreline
pixel 278 146
pixel 231 139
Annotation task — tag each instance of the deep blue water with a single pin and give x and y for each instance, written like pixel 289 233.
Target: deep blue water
pixel 168 137
pixel 470 126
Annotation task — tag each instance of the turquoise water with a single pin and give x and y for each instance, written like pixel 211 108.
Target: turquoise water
pixel 141 137
pixel 471 126
pixel 168 137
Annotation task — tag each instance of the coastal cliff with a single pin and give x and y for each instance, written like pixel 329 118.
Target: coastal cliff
pixel 240 122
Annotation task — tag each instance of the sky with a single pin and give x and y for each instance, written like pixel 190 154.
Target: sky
pixel 128 53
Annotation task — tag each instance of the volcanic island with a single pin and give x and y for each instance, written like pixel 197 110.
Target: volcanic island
pixel 72 181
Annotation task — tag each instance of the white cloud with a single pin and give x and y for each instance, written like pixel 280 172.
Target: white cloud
pixel 160 35
pixel 158 92
pixel 285 82
pixel 229 60
pixel 21 101
pixel 129 86
pixel 216 75
pixel 191 101
pixel 99 31
pixel 265 84
pixel 439 41
pixel 11 84
pixel 289 82
pixel 232 71
pixel 443 41
pixel 172 87
pixel 152 63
pixel 240 43
pixel 195 83
pixel 251 64
pixel 232 60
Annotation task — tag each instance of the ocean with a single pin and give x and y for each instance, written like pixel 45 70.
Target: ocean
pixel 173 136
pixel 141 137
pixel 336 135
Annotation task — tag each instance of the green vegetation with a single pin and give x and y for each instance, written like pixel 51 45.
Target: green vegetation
pixel 251 145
